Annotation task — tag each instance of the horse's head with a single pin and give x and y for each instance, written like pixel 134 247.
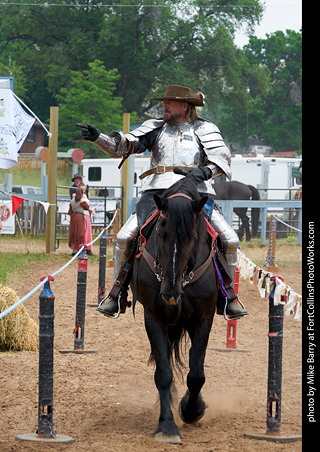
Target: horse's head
pixel 177 231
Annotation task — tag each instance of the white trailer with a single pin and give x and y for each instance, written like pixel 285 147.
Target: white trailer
pixel 105 173
pixel 272 174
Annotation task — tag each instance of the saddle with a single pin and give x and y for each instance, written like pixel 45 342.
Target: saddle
pixel 221 267
pixel 138 249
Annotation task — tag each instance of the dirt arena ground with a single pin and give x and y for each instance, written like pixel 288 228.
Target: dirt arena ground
pixel 107 401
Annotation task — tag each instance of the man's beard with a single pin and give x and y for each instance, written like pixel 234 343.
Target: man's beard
pixel 172 118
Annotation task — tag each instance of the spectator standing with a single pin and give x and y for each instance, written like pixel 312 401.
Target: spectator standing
pixel 77 179
pixel 78 206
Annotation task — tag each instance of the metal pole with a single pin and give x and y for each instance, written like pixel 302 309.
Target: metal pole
pixel 273 430
pixel 231 345
pixel 80 306
pixel 102 269
pixel 46 337
pixel 274 366
pixel 45 431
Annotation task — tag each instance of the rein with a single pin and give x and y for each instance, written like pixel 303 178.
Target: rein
pixel 194 274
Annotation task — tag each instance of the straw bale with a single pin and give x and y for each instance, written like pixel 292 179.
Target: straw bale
pixel 18 332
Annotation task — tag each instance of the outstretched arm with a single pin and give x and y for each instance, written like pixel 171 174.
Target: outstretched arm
pixel 115 144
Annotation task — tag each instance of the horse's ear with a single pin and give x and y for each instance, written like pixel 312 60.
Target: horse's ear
pixel 198 205
pixel 160 202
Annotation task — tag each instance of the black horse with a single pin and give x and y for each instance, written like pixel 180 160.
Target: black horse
pixel 175 281
pixel 235 190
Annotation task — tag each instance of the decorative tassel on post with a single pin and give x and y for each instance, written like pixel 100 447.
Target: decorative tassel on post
pixel 45 431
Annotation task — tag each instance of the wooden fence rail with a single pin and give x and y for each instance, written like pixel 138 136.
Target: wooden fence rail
pixel 32 218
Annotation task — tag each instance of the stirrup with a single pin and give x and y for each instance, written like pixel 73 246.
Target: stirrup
pixel 119 306
pixel 225 310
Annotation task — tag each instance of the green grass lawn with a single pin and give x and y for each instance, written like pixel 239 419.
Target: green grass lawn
pixel 28 176
pixel 16 263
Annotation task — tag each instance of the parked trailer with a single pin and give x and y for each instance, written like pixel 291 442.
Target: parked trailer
pixel 273 176
pixel 105 173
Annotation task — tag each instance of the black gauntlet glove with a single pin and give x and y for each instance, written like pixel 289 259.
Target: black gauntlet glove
pixel 89 132
pixel 198 174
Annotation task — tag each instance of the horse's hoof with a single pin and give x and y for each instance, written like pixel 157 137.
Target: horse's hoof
pixel 193 415
pixel 170 439
pixel 193 421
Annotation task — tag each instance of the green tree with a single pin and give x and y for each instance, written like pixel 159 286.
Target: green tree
pixel 278 119
pixel 89 98
pixel 150 42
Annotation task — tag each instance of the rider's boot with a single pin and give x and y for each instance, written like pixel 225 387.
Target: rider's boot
pixel 230 308
pixel 118 294
pixel 116 301
pixel 228 303
pixel 111 308
pixel 114 305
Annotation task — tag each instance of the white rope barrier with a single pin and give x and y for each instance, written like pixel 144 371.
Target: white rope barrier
pixel 249 270
pixel 286 224
pixel 15 305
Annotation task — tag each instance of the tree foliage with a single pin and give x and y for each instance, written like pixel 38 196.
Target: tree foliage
pixel 57 51
pixel 280 54
pixel 273 106
pixel 89 98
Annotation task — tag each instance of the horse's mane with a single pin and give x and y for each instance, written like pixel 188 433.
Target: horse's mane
pixel 183 222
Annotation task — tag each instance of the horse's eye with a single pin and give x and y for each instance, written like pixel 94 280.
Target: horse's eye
pixel 161 232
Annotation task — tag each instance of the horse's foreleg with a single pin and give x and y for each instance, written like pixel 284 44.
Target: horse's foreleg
pixel 167 430
pixel 192 406
pixel 247 227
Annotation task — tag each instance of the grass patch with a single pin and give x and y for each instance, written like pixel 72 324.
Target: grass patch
pixel 16 264
pixel 30 176
pixel 287 251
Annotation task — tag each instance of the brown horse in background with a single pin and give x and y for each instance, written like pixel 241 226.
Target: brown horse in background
pixel 234 190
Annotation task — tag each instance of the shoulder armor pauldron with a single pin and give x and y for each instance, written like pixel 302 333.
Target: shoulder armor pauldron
pixel 146 127
pixel 213 144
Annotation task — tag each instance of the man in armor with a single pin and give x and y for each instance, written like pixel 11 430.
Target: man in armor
pixel 181 145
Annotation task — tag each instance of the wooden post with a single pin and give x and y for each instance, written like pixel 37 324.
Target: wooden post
pixel 116 229
pixel 125 170
pixel 52 180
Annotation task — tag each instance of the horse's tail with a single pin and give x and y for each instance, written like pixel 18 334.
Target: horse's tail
pixel 175 337
pixel 176 334
pixel 255 212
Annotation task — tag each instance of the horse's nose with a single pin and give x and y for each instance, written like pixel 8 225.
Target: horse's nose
pixel 171 295
pixel 172 301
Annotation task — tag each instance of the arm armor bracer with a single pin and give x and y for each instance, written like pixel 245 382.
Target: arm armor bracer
pixel 115 144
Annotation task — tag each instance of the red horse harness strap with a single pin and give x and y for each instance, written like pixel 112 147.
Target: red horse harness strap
pixel 177 195
pixel 193 275
pixel 180 195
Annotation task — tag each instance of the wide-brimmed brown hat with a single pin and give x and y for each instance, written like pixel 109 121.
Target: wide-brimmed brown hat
pixel 176 92
pixel 77 176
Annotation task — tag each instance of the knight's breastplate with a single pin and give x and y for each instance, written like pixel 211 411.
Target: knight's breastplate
pixel 177 145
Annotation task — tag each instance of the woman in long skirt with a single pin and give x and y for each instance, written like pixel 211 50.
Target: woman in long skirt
pixel 87 222
pixel 78 207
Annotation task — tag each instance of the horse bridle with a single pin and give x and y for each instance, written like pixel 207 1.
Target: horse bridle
pixel 194 274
